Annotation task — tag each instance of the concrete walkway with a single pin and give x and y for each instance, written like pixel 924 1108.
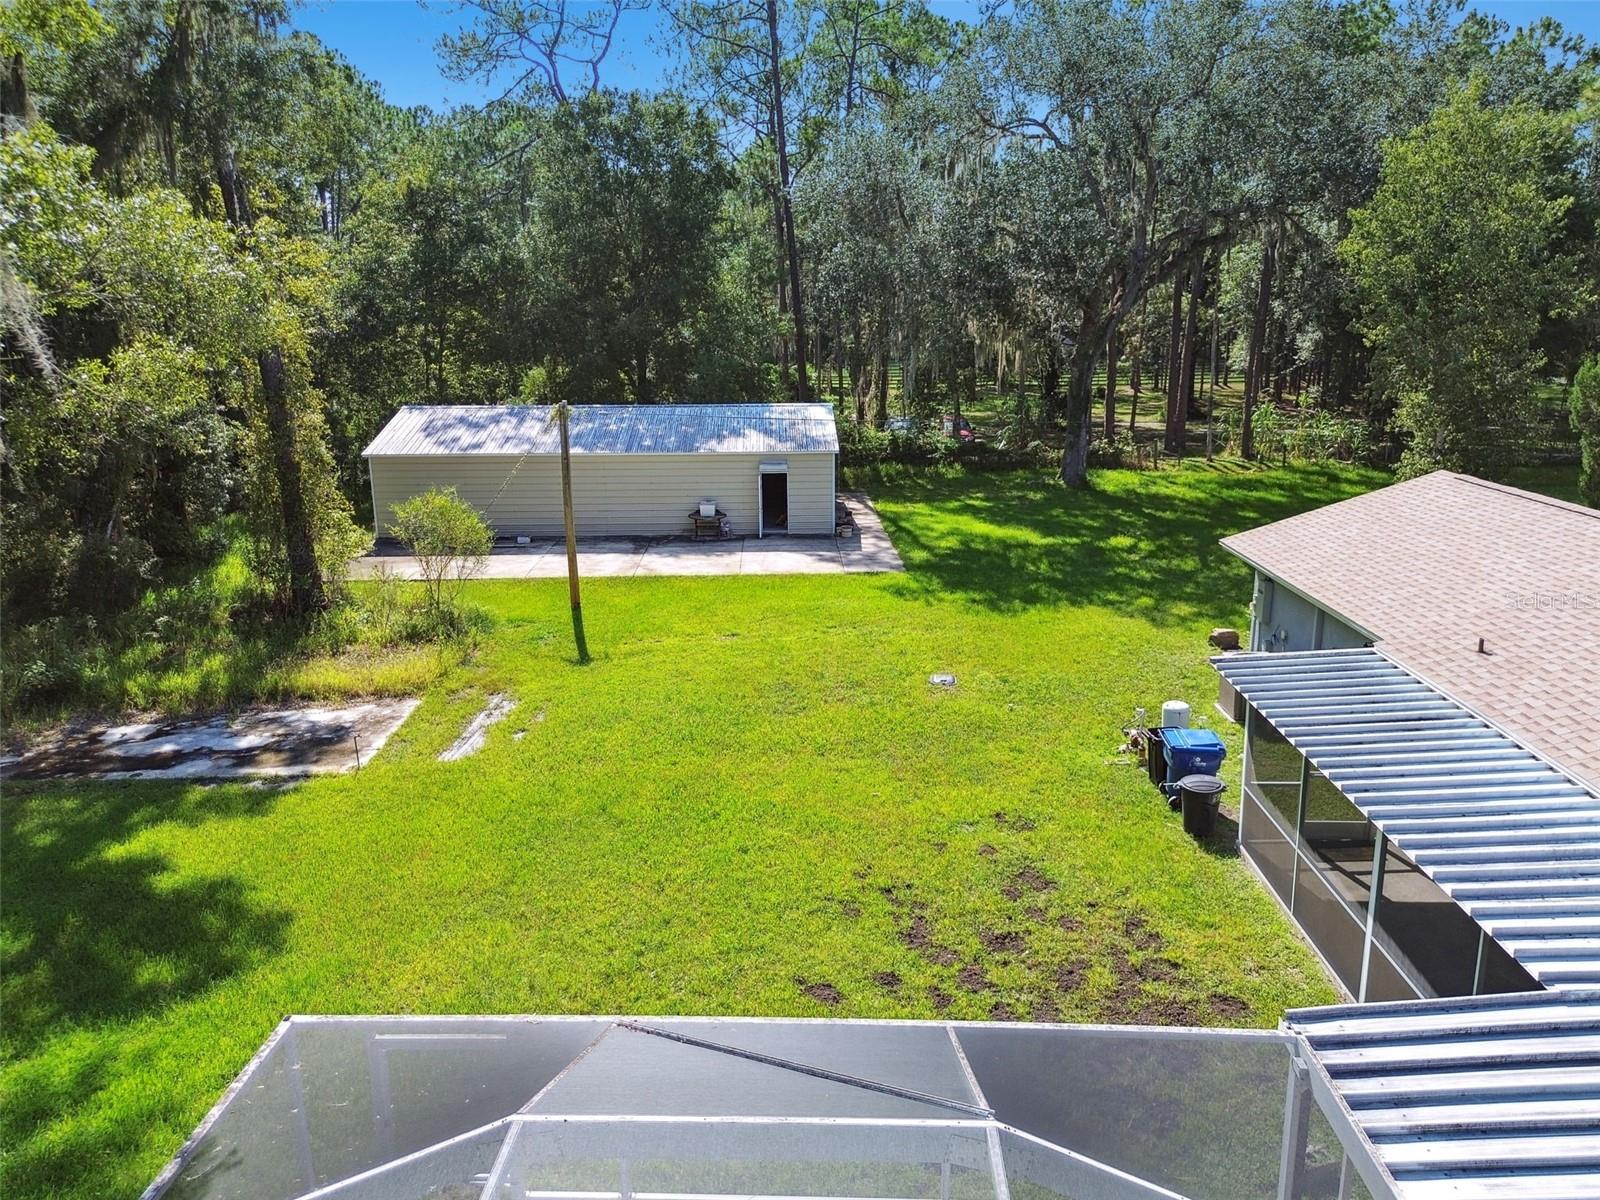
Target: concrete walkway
pixel 868 549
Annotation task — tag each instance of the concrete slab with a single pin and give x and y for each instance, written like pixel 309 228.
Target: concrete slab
pixel 868 549
pixel 281 743
pixel 789 556
pixel 692 558
pixel 506 562
pixel 602 557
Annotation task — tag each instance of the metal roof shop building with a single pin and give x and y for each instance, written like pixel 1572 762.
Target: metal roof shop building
pixel 637 470
pixel 1421 700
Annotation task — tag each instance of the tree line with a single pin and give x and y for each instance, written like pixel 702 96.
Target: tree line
pixel 225 260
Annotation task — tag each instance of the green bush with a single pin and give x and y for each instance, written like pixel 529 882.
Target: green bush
pixel 926 446
pixel 1586 424
pixel 1117 451
pixel 1300 435
pixel 383 614
pixel 863 446
pixel 450 541
pixel 215 638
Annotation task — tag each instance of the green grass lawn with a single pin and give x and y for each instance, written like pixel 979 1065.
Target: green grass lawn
pixel 752 801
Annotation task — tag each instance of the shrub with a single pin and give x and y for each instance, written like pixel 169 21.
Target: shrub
pixel 926 446
pixel 1117 451
pixel 1586 424
pixel 862 445
pixel 1314 435
pixel 449 539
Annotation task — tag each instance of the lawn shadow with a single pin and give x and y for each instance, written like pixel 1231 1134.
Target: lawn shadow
pixel 1139 543
pixel 1224 839
pixel 94 934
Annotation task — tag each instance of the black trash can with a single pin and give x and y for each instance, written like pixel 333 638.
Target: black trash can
pixel 1155 755
pixel 1200 795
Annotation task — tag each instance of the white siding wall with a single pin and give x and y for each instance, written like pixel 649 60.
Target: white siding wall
pixel 622 494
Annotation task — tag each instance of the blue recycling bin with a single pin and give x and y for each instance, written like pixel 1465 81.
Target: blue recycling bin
pixel 1190 752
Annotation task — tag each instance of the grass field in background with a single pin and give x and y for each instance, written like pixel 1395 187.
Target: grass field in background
pixel 751 802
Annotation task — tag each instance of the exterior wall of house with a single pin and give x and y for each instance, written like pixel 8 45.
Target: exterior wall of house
pixel 615 495
pixel 1285 620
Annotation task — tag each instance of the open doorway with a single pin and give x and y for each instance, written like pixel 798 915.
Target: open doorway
pixel 774 502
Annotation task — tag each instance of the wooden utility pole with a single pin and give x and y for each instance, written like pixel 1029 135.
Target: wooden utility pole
pixel 572 535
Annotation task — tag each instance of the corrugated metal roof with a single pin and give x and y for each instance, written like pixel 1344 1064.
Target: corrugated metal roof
pixel 1511 839
pixel 1488 1098
pixel 501 429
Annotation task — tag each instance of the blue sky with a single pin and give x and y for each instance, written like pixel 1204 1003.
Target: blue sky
pixel 392 41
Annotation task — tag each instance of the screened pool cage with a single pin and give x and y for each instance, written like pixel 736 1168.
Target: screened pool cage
pixel 716 1109
pixel 1423 851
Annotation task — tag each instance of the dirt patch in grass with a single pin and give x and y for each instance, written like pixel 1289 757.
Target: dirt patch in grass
pixel 821 991
pixel 1146 982
pixel 1071 976
pixel 971 978
pixel 1002 941
pixel 1019 824
pixel 1166 1010
pixel 1028 879
pixel 1131 1002
pixel 918 935
pixel 1229 1008
pixel 1127 1003
pixel 1158 968
pixel 1139 933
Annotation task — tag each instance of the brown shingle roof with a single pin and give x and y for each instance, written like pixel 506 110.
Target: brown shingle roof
pixel 1429 566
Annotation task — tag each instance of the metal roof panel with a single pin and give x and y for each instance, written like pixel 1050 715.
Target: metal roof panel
pixel 1484 816
pixel 514 430
pixel 1470 1099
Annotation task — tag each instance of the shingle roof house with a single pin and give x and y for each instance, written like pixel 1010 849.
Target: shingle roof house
pixel 1425 568
pixel 1422 746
